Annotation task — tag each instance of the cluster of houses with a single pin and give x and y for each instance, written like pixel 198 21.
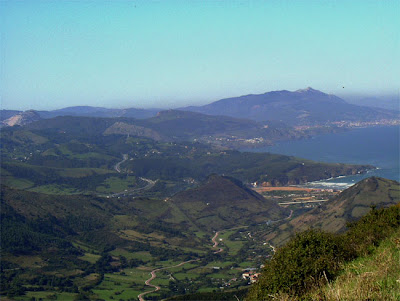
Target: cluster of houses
pixel 251 275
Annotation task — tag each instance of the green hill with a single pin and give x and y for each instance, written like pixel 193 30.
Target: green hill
pixel 222 202
pixel 351 204
pixel 73 155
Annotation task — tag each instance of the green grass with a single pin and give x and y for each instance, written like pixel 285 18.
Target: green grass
pixel 142 255
pixel 16 182
pixel 83 172
pixel 115 184
pixel 92 258
pixel 221 264
pixel 122 287
pixel 48 295
pixel 55 189
pixel 246 264
pixel 181 276
pixel 121 221
pixel 374 277
pixel 27 135
pixel 83 246
pixel 93 155
pixel 233 245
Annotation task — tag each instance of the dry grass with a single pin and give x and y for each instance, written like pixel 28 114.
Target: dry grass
pixel 376 277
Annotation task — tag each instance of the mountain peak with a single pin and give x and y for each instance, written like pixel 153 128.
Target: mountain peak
pixel 308 90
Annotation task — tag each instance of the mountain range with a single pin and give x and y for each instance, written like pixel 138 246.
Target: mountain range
pixel 302 107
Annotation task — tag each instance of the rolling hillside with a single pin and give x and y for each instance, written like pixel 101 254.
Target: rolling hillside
pixel 223 202
pixel 348 206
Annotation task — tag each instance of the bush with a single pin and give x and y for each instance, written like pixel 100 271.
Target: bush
pixel 364 235
pixel 309 256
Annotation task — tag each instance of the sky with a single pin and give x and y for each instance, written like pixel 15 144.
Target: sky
pixel 167 54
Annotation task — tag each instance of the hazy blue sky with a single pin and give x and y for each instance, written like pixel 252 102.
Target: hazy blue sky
pixel 169 53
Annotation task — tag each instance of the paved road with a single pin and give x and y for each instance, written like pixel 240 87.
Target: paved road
pixel 289 217
pixel 153 276
pixel 117 166
pixel 150 184
pixel 302 202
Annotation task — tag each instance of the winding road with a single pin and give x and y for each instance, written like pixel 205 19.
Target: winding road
pixel 215 243
pixel 117 166
pixel 153 276
pixel 289 217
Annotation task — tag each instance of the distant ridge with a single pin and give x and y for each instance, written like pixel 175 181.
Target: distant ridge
pixel 78 111
pixel 301 107
pixel 22 118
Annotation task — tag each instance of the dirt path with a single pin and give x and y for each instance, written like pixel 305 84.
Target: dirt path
pixel 273 248
pixel 215 243
pixel 153 276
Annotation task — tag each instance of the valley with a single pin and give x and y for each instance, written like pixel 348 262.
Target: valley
pixel 199 150
pixel 136 252
pixel 150 209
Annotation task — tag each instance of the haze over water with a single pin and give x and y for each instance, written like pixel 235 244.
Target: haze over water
pixel 377 146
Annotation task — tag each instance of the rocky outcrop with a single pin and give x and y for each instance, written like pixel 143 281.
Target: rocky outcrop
pixel 22 118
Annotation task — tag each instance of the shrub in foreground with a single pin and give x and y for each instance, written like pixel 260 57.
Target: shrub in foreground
pixel 309 256
pixel 313 257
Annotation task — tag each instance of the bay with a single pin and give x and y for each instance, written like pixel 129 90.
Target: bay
pixel 377 146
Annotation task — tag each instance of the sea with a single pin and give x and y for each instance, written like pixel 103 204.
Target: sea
pixel 377 146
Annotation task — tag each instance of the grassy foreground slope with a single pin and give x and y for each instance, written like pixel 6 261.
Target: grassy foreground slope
pixel 373 277
pixel 313 259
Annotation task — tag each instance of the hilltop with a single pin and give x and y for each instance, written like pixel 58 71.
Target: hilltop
pixel 87 111
pixel 175 125
pixel 79 154
pixel 301 107
pixel 223 202
pixel 20 118
pixel 350 205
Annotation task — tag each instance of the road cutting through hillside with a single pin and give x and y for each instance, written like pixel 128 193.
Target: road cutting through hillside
pixel 153 276
pixel 215 243
pixel 149 183
pixel 117 166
